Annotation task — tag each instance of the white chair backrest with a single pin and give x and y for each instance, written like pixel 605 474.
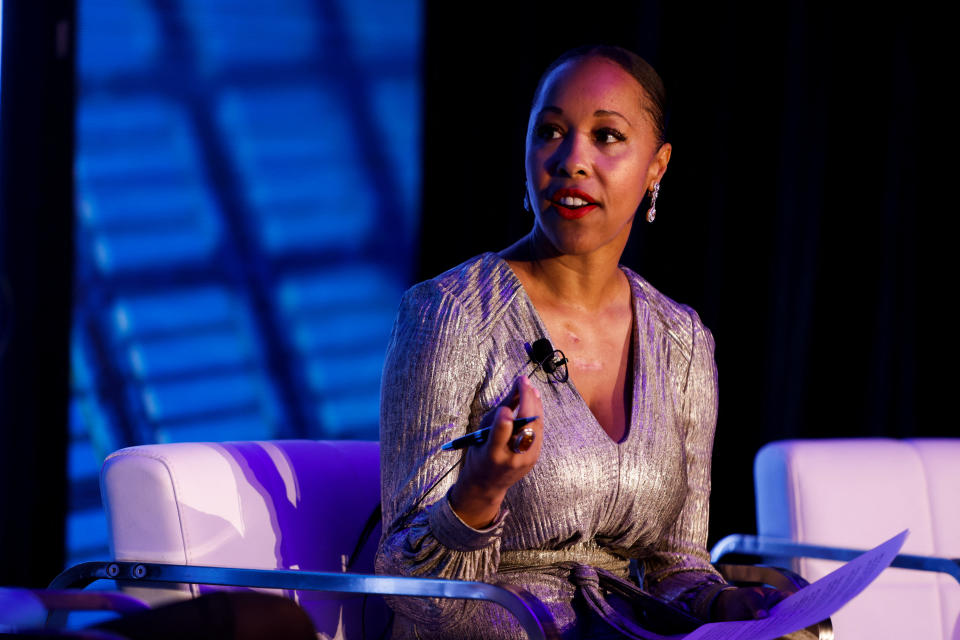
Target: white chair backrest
pixel 294 504
pixel 857 493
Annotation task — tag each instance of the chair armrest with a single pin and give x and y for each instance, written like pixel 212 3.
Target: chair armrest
pixel 780 548
pixel 83 574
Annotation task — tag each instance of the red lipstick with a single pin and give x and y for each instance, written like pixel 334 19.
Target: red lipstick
pixel 573 213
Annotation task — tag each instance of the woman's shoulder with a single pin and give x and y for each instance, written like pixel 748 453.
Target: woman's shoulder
pixel 679 321
pixel 480 290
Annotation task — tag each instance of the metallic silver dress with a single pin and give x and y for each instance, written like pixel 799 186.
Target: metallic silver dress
pixel 458 343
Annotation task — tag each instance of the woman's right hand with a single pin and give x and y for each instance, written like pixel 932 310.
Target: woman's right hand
pixel 746 603
pixel 492 468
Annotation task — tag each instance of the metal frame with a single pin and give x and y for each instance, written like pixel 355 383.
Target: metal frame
pixel 781 548
pixel 81 575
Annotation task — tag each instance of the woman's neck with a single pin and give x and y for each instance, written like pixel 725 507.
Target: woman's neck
pixel 589 281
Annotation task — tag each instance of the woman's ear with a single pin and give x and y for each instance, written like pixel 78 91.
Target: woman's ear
pixel 660 161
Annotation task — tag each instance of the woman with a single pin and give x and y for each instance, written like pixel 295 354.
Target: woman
pixel 619 465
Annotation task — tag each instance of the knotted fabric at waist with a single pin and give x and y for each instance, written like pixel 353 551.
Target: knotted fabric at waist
pixel 562 560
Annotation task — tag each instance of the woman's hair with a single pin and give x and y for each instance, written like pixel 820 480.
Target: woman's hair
pixel 633 64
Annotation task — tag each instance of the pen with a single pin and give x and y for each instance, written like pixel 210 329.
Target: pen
pixel 480 436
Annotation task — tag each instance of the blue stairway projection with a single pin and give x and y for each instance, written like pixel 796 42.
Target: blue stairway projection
pixel 143 203
pixel 247 189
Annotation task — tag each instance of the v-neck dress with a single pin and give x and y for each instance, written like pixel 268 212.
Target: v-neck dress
pixel 459 342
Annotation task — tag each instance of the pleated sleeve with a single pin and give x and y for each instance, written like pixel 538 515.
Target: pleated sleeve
pixel 431 375
pixel 679 571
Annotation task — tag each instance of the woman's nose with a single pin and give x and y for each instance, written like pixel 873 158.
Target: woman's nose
pixel 571 157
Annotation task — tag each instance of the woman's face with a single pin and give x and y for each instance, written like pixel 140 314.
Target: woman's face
pixel 592 153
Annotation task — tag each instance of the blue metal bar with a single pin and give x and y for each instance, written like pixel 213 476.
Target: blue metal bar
pixel 83 574
pixel 780 548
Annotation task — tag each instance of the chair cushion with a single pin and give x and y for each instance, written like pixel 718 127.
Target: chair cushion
pixel 296 504
pixel 857 493
pixel 941 462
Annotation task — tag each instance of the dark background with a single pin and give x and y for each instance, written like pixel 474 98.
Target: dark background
pixel 798 215
pixel 36 258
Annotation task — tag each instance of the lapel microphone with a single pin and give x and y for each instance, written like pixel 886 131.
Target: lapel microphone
pixel 545 356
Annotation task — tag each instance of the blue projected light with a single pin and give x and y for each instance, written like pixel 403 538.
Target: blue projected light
pixel 239 165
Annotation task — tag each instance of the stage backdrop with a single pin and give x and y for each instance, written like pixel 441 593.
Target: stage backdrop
pixel 247 203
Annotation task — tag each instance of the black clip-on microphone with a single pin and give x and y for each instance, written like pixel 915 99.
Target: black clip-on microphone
pixel 541 352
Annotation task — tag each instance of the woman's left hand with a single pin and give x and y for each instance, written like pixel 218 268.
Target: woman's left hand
pixel 746 603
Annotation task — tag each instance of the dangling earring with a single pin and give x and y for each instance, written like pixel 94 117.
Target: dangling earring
pixel 652 211
pixel 526 201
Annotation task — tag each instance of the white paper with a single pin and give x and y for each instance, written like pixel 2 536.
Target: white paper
pixel 811 604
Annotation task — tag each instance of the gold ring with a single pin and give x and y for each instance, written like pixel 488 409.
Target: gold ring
pixel 523 440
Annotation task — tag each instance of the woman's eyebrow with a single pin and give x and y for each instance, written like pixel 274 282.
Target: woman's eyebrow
pixel 598 113
pixel 605 112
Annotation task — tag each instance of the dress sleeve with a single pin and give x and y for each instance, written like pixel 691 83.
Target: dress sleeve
pixel 430 378
pixel 680 571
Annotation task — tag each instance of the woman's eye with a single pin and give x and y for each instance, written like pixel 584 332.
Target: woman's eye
pixel 609 136
pixel 547 132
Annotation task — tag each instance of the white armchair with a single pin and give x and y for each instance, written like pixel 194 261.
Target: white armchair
pixel 823 499
pixel 274 514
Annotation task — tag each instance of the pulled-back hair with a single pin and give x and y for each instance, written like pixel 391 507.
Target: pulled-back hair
pixel 640 69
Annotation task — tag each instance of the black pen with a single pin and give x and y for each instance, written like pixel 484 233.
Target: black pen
pixel 480 436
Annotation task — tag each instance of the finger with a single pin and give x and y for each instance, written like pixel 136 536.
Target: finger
pixel 769 599
pixel 773 597
pixel 526 437
pixel 510 401
pixel 513 398
pixel 749 603
pixel 502 429
pixel 529 403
